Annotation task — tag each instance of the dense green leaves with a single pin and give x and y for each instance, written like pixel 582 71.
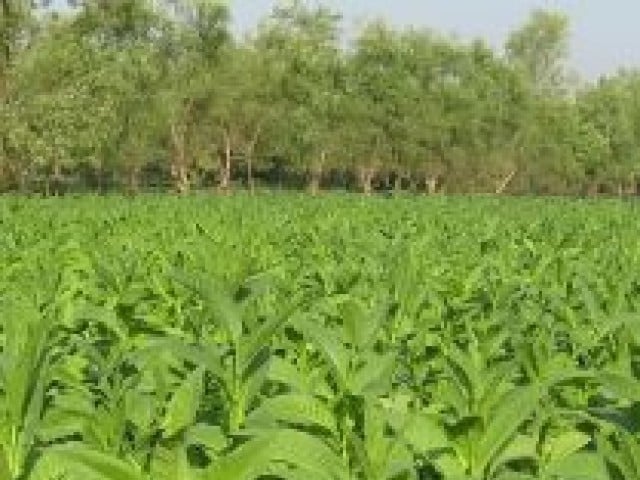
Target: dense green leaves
pixel 391 339
pixel 109 95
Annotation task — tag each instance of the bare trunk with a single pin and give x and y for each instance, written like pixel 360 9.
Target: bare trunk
pixel 250 184
pixel 179 170
pixel 22 179
pixel 431 184
pixel 56 178
pixel 181 178
pixel 366 180
pixel 249 153
pixel 315 177
pixel 225 180
pixel 133 180
pixel 100 179
pixel 397 186
pixel 314 182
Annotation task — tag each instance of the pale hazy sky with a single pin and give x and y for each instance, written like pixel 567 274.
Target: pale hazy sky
pixel 605 33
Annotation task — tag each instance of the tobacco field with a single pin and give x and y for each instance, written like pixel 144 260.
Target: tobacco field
pixel 281 336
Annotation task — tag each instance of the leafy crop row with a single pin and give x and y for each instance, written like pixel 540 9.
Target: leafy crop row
pixel 337 338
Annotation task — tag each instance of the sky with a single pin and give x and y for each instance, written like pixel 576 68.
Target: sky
pixel 605 33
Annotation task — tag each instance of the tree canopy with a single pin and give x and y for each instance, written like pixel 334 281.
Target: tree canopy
pixel 125 94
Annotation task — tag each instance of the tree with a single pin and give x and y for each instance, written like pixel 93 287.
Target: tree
pixel 301 42
pixel 193 51
pixel 550 129
pixel 15 18
pixel 484 104
pixel 610 112
pixel 378 94
pixel 244 95
pixel 14 22
pixel 420 123
pixel 85 94
pixel 53 117
pixel 540 49
pixel 124 88
pixel 126 33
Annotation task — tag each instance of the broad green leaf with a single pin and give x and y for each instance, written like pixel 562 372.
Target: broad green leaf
pixel 172 464
pixel 424 432
pixel 514 408
pixel 360 324
pixel 521 447
pixel 565 444
pixel 77 462
pixel 623 453
pixel 286 373
pixel 579 466
pixel 623 387
pixel 330 345
pixel 256 457
pixel 4 464
pixel 209 436
pixel 374 376
pixel 254 342
pixel 514 476
pixel 293 409
pixel 184 403
pixel 451 467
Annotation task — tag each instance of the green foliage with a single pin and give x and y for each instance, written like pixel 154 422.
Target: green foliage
pixel 391 339
pixel 540 48
pixel 111 94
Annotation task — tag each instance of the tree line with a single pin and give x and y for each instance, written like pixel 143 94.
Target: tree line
pixel 120 94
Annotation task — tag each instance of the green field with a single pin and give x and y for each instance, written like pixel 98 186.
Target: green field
pixel 284 336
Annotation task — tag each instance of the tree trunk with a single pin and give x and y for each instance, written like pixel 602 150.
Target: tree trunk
pixel 315 178
pixel 225 180
pixel 366 180
pixel 249 155
pixel 250 184
pixel 56 179
pixel 4 172
pixel 22 181
pixel 180 175
pixel 133 181
pixel 431 185
pixel 397 185
pixel 100 180
pixel 314 182
pixel 179 170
